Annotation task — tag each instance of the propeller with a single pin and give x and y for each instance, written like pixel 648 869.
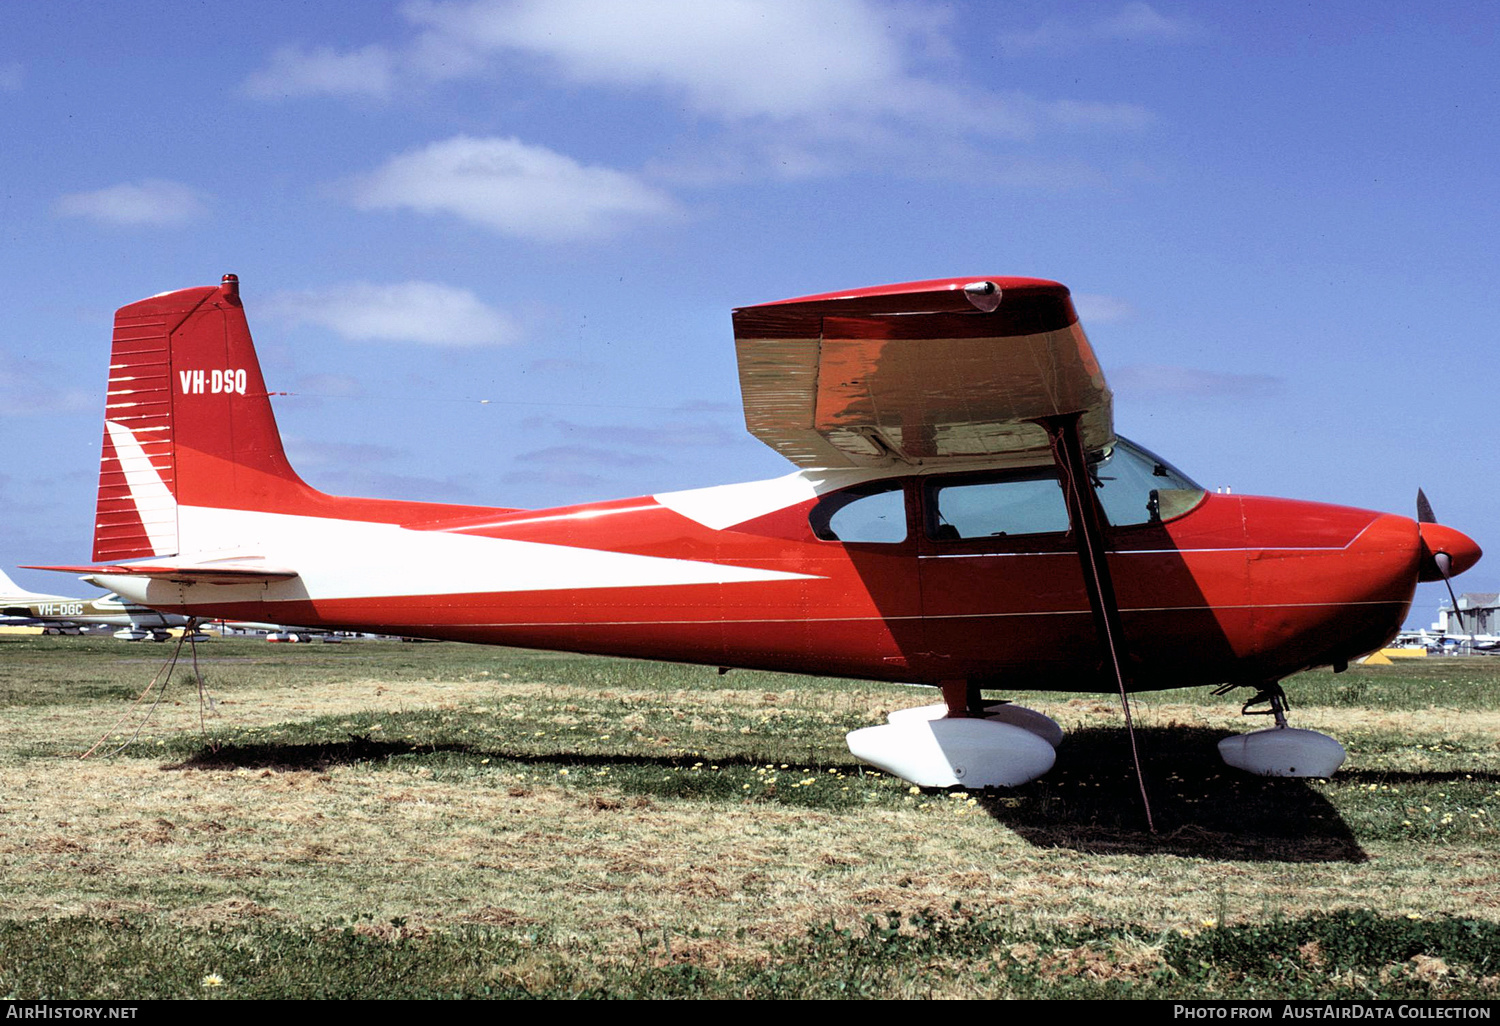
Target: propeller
pixel 1434 552
pixel 1424 509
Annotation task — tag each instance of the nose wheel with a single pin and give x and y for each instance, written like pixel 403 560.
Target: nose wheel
pixel 1280 751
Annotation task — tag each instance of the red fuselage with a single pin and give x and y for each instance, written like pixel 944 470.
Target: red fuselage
pixel 1239 588
pixel 959 469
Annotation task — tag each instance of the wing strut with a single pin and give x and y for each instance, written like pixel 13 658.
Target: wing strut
pixel 1088 532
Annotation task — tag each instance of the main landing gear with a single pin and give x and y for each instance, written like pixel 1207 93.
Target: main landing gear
pixel 1280 751
pixel 961 742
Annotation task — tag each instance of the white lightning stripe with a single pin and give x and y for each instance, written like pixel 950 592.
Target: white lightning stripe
pixel 726 505
pixel 153 501
pixel 343 559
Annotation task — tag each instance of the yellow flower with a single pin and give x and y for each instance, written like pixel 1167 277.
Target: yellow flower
pixel 213 980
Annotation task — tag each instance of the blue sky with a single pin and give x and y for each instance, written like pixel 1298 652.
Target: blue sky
pixel 1278 221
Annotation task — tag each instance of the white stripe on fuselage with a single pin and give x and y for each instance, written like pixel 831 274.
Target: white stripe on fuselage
pixel 723 506
pixel 349 559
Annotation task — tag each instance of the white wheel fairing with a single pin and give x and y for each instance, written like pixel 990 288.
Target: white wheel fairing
pixel 954 752
pixel 1283 752
pixel 1040 724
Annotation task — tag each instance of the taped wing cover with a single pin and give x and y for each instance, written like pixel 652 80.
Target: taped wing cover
pixel 940 370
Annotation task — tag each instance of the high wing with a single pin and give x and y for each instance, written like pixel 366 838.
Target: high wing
pixel 944 370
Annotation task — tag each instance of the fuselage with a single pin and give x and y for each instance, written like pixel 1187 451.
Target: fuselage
pixel 1230 588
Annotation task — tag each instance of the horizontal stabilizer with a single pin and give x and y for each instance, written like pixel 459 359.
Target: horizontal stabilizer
pixel 210 573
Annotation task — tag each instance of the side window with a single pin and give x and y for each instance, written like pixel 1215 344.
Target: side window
pixel 1026 502
pixel 874 512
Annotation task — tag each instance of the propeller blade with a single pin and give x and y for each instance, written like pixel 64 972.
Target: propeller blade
pixel 1456 614
pixel 1424 509
pixel 1441 560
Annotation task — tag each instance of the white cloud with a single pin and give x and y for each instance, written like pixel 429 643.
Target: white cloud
pixel 298 71
pixel 423 312
pixel 152 201
pixel 513 188
pixel 835 70
pixel 1133 22
pixel 10 77
pixel 1177 382
pixel 733 58
pixel 1096 309
pixel 781 89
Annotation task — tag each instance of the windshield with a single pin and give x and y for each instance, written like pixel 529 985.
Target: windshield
pixel 1135 486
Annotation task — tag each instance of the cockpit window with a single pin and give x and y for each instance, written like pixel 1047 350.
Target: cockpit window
pixel 874 512
pixel 1137 487
pixel 1134 486
pixel 1016 503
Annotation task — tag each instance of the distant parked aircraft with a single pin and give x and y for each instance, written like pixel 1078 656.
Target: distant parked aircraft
pixel 61 614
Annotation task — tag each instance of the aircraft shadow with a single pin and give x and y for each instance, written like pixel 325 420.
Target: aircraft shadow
pixel 289 758
pixel 359 749
pixel 1091 802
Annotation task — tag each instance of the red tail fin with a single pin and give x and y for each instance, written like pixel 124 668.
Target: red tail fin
pixel 187 421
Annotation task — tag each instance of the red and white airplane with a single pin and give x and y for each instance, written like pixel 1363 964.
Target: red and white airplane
pixel 963 516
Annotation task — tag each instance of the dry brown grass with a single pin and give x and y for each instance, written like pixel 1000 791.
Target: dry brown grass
pixel 128 835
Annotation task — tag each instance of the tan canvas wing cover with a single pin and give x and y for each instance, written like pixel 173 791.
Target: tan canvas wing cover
pixel 938 370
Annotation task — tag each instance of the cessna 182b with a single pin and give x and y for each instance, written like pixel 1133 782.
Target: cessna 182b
pixel 963 516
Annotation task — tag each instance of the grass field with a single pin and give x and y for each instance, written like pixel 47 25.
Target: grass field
pixel 378 819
